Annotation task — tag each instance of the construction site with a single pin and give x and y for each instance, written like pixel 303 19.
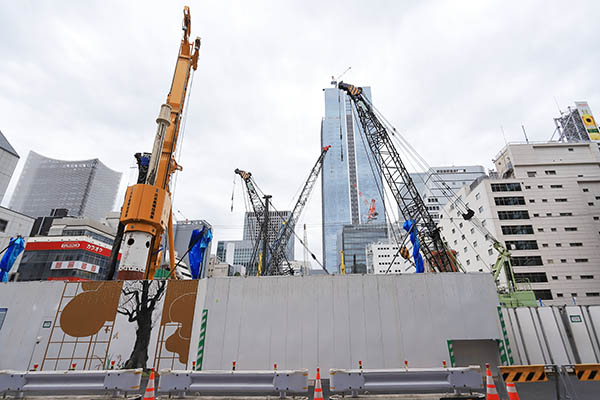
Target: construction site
pixel 419 280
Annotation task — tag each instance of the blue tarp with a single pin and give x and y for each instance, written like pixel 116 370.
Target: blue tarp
pixel 410 226
pixel 198 244
pixel 15 248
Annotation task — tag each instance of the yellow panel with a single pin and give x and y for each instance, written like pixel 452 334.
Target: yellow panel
pixel 524 373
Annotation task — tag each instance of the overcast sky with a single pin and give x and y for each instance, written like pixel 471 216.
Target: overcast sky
pixel 84 79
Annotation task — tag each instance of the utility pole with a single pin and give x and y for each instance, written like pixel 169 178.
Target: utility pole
pixel 265 231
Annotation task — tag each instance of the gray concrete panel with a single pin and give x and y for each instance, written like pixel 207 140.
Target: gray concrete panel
pixel 530 340
pixel 581 334
pixel 556 344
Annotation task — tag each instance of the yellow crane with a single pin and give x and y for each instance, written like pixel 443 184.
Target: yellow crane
pixel 146 213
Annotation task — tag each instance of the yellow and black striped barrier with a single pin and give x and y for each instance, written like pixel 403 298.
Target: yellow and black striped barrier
pixel 587 372
pixel 524 373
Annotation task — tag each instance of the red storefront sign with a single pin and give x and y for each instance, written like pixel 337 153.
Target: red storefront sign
pixel 70 245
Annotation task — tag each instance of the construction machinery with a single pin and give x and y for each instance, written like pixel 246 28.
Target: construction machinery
pixel 387 160
pixel 272 257
pixel 146 212
pixel 275 264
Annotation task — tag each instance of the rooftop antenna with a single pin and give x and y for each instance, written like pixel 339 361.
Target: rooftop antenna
pixel 525 133
pixel 335 80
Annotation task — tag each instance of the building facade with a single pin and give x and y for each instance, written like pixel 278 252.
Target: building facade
pixel 8 163
pixel 182 231
pixel 237 252
pixel 385 258
pixel 349 184
pixel 354 241
pixel 545 211
pixel 439 184
pixel 75 249
pixel 277 219
pixel 86 188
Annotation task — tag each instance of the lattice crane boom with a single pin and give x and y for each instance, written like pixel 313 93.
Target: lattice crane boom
pixel 398 179
pixel 280 245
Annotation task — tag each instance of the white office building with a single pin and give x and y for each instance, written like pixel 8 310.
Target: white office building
pixel 545 210
pixel 384 258
pixel 438 184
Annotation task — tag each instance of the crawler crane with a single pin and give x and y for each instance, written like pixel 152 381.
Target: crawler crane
pixel 146 212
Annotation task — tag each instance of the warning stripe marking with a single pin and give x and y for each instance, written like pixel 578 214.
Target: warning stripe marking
pixel 587 372
pixel 524 373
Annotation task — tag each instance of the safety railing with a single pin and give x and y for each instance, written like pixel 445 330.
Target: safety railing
pixel 405 381
pixel 70 382
pixel 218 383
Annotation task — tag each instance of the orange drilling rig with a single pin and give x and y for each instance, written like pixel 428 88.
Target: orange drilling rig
pixel 146 213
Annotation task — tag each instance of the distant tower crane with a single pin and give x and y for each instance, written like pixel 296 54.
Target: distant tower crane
pixel 146 212
pixel 403 189
pixel 275 266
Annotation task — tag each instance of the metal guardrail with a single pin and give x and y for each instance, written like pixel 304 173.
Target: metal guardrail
pixel 70 382
pixel 405 381
pixel 233 382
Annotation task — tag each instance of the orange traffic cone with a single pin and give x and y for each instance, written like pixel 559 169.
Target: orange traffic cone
pixel 491 393
pixel 511 389
pixel 318 390
pixel 149 394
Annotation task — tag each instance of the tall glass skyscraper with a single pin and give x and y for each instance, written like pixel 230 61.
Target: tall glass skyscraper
pixel 350 184
pixel 86 188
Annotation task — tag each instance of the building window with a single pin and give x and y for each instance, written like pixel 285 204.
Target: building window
pixel 526 261
pixel 540 186
pixel 568 277
pixel 587 276
pixel 560 200
pixel 570 149
pixel 506 187
pixel 590 204
pixel 556 186
pixel 550 261
pixel 468 262
pixel 544 244
pixel 554 277
pixel 531 200
pixel 566 214
pixel 581 260
pixel 553 229
pixel 519 214
pixel 527 187
pixel 480 209
pixel 477 196
pixel 586 190
pixel 576 244
pixel 544 294
pixel 475 243
pixel 570 228
pixel 550 172
pixel 540 229
pixel 521 245
pixel 596 218
pixel 3 225
pixel 559 295
pixel 531 174
pixel 490 252
pixel 544 200
pixel 453 230
pixel 460 224
pixel 517 229
pixel 462 237
pixel 563 260
pixel 536 215
pixel 472 230
pixel 558 244
pixel 531 277
pixel 465 249
pixel 509 201
pixel 548 214
pixel 592 294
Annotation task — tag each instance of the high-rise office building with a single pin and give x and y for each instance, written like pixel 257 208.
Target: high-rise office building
pixel 544 209
pixel 350 185
pixel 277 220
pixel 355 239
pixel 8 162
pixel 86 188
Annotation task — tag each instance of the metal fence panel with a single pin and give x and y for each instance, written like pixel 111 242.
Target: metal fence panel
pixel 233 382
pixel 402 381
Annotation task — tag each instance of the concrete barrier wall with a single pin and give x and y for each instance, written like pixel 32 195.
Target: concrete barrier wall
pixel 296 322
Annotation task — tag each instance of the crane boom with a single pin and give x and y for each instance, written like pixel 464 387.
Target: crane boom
pixel 280 245
pixel 403 189
pixel 146 211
